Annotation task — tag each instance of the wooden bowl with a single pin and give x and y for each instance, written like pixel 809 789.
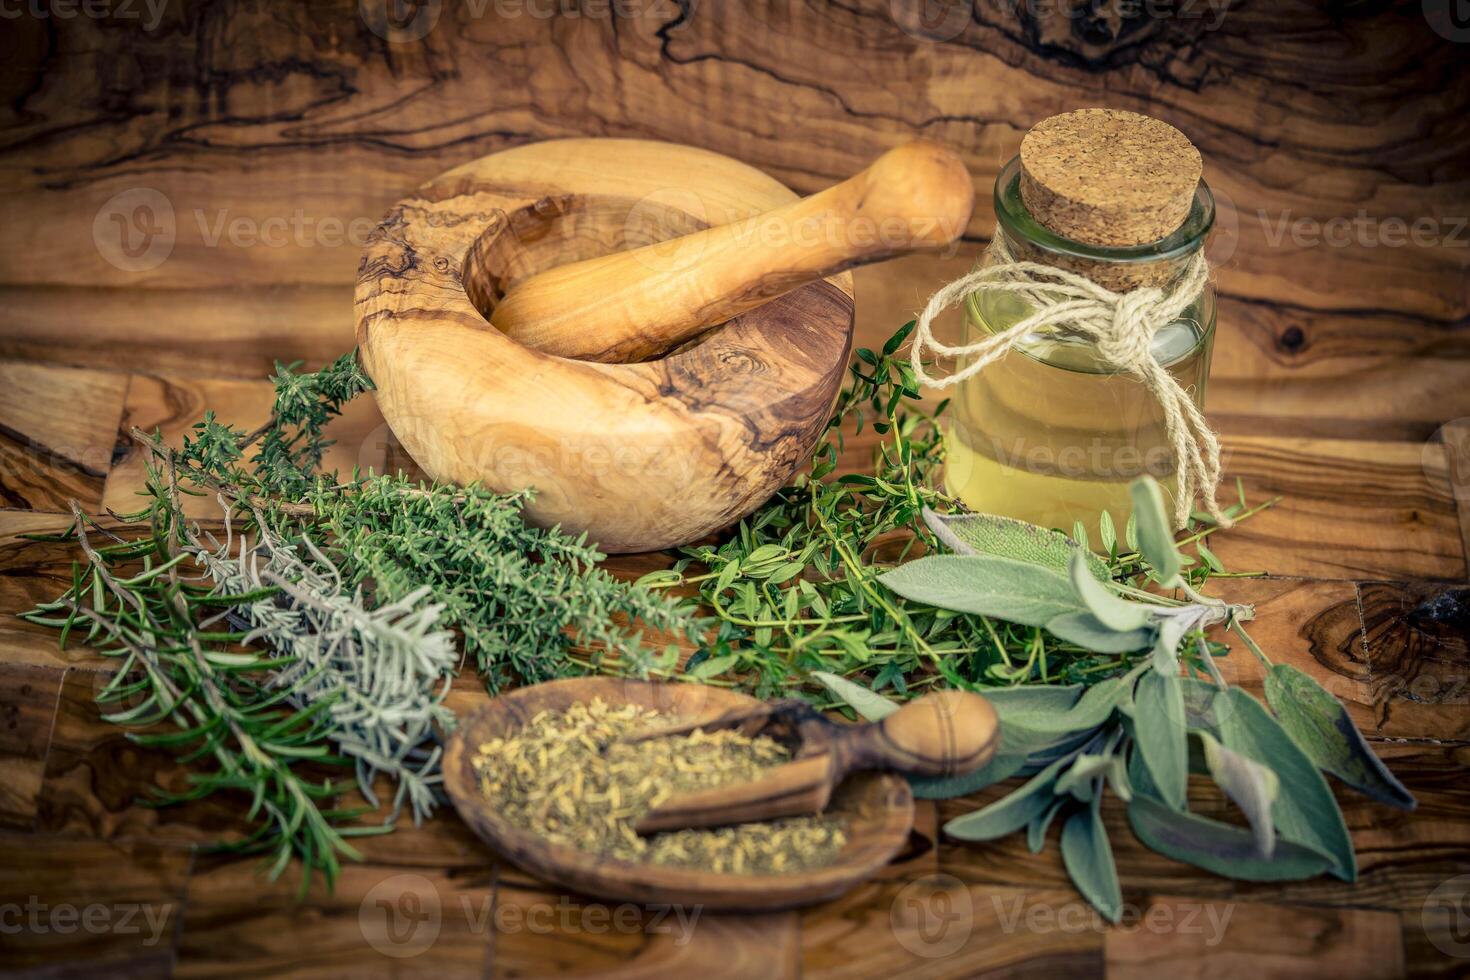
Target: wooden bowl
pixel 640 456
pixel 878 809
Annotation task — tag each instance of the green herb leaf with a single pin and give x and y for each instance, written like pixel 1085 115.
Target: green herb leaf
pixel 1079 778
pixel 1320 725
pixel 1091 710
pixel 1033 697
pixel 1115 613
pixel 1305 811
pixel 1155 532
pixel 1090 633
pixel 985 585
pixel 1010 813
pixel 1107 532
pixel 713 667
pixel 1002 765
pixel 1251 785
pixel 1089 860
pixel 1036 829
pixel 1160 736
pixel 872 706
pixel 1219 847
pixel 1006 537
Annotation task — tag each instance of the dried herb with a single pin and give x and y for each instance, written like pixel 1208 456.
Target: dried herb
pixel 566 776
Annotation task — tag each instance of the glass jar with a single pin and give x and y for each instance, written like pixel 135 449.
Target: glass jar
pixel 1049 434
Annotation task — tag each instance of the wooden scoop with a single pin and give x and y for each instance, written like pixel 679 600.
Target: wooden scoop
pixel 948 733
pixel 630 306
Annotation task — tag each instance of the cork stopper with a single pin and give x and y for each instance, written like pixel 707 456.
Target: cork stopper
pixel 1108 177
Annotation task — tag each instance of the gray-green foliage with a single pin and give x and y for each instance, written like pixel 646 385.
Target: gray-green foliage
pixel 381 672
pixel 1131 731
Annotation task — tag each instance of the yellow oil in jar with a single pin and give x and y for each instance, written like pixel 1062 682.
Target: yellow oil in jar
pixel 1050 435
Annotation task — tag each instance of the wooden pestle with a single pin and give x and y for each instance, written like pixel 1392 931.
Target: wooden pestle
pixel 947 733
pixel 634 305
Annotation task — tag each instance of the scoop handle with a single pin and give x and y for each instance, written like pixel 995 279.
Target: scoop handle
pixel 633 305
pixel 947 733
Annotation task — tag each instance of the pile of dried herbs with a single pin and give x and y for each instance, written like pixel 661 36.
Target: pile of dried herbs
pixel 566 777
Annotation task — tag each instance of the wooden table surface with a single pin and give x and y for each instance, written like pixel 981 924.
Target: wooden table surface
pixel 185 196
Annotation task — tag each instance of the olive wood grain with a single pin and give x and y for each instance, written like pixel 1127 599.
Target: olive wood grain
pixel 947 733
pixel 632 305
pixel 639 456
pixel 877 810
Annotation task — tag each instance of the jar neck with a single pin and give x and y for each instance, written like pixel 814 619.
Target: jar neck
pixel 1156 263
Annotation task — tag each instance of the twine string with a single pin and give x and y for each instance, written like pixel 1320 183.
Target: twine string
pixel 1121 326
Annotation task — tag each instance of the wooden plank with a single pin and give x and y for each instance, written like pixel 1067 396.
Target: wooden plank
pixel 1350 510
pixel 1417 637
pixel 57 430
pixel 376 921
pixel 1312 625
pixel 33 572
pixel 350 149
pixel 90 907
pixel 1182 937
pixel 1456 439
pixel 27 706
pixel 543 933
pixel 231 331
pixel 96 779
pixel 173 405
pixel 1340 325
pixel 940 926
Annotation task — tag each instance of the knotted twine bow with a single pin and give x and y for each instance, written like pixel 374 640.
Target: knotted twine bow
pixel 1121 325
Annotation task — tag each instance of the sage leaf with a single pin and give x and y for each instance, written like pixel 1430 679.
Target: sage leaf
pixel 1091 710
pixel 1088 632
pixel 1089 860
pixel 1036 829
pixel 1320 725
pixel 1118 778
pixel 985 585
pixel 1033 697
pixel 1219 847
pixel 872 706
pixel 1160 736
pixel 1305 811
pixel 1009 813
pixel 1251 785
pixel 1113 612
pixel 1155 531
pixel 1006 537
pixel 1003 765
pixel 1107 532
pixel 1166 643
pixel 1081 777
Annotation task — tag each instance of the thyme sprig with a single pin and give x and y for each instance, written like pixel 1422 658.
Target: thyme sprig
pixel 795 588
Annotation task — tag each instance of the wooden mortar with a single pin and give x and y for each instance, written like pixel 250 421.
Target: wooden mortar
pixel 641 456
